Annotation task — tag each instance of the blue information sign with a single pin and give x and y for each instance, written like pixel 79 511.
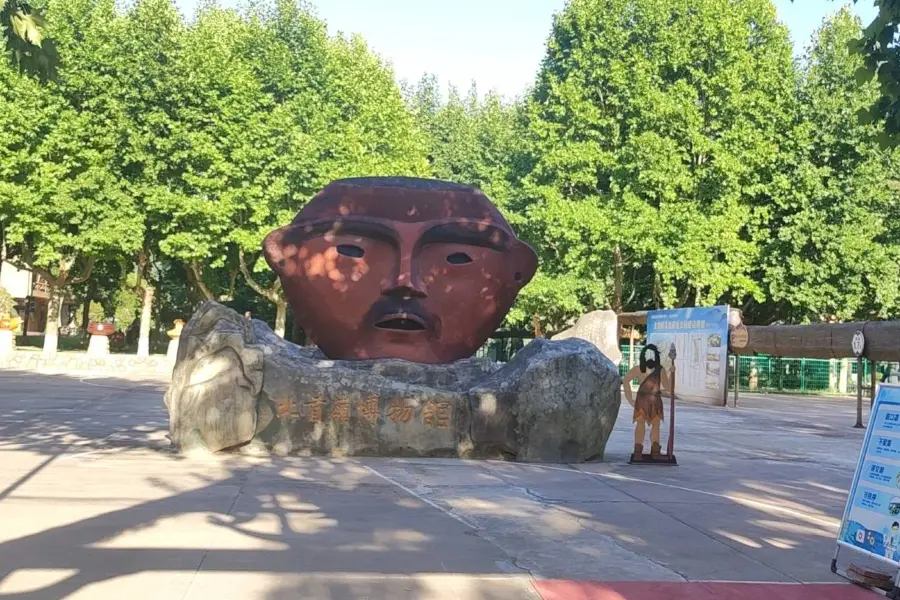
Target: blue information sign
pixel 700 337
pixel 871 522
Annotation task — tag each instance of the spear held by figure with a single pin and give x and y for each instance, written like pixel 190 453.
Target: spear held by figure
pixel 670 450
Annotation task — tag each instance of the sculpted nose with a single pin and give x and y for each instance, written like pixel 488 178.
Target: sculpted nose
pixel 406 284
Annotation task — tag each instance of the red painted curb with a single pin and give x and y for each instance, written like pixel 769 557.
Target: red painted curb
pixel 649 590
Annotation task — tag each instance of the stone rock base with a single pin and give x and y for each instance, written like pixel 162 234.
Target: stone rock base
pixel 236 382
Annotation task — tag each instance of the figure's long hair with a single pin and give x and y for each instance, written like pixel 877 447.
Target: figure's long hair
pixel 651 363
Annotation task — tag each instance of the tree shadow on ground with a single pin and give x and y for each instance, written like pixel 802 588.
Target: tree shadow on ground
pixel 54 414
pixel 101 501
pixel 98 499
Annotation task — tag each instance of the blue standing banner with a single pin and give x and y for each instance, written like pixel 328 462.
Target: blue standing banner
pixel 871 522
pixel 700 336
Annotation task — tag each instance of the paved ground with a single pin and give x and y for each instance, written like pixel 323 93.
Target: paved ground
pixel 94 505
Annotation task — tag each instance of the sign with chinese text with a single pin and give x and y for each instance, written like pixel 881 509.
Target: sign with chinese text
pixel 40 287
pixel 700 336
pixel 871 521
pixel 739 337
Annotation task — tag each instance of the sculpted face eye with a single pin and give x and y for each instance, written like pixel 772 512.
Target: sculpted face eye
pixel 350 250
pixel 459 258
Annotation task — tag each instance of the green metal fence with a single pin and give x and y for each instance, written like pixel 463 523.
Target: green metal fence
pixel 759 373
pixel 626 362
pixel 807 375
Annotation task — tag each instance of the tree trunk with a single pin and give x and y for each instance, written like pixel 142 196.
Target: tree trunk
pixel 143 348
pixel 536 325
pixel 196 272
pixel 86 314
pixel 86 309
pixel 51 330
pixel 2 247
pixel 657 290
pixel 618 277
pixel 280 317
pixel 272 294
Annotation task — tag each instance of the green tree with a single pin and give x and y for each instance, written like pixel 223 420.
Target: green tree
pixel 877 45
pixel 110 72
pixel 656 128
pixel 261 142
pixel 24 35
pixel 831 252
pixel 27 114
pixel 172 150
pixel 373 131
pixel 73 212
pixel 65 205
pixel 468 139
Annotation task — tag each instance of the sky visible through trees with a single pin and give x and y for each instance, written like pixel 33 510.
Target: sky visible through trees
pixel 669 153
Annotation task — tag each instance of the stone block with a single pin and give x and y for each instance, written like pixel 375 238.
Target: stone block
pixel 235 382
pixel 601 328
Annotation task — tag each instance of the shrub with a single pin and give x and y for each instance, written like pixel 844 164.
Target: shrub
pixel 7 303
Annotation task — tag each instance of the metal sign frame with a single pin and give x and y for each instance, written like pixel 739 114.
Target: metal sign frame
pixel 858 346
pixel 863 455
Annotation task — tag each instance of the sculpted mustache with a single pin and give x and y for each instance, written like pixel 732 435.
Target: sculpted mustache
pixel 392 306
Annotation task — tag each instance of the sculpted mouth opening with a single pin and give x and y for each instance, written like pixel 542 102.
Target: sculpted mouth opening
pixel 401 323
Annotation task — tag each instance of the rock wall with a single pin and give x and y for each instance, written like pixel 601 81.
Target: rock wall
pixel 235 382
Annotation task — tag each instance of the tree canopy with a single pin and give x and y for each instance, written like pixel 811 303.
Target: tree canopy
pixel 23 32
pixel 656 129
pixel 831 251
pixel 670 153
pixel 877 44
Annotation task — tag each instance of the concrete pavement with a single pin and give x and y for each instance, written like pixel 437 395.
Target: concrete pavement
pixel 93 504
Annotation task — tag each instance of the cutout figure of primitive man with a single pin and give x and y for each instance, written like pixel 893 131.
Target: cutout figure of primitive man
pixel 648 405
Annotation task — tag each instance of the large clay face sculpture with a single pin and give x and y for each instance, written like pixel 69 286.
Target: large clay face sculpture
pixel 417 269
